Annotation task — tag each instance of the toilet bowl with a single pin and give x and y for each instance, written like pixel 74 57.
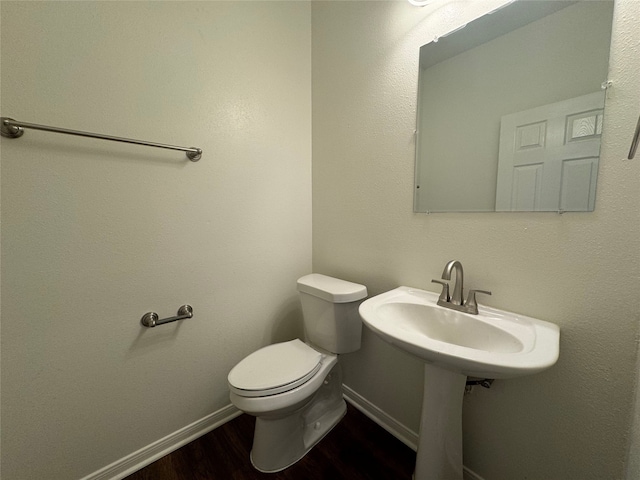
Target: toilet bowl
pixel 294 389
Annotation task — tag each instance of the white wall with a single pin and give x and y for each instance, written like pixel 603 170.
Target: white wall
pixel 633 456
pixel 95 234
pixel 580 271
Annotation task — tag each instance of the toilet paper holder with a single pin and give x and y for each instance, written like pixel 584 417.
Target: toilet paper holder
pixel 152 319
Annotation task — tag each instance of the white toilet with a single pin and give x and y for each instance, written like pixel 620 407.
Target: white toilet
pixel 294 389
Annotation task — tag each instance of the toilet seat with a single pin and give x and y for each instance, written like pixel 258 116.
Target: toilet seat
pixel 275 369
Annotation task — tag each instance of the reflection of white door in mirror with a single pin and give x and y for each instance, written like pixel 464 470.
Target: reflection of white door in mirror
pixel 548 157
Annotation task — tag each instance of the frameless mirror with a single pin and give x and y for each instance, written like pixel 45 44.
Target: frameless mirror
pixel 510 110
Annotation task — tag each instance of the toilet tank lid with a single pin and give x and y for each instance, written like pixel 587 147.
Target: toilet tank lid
pixel 331 289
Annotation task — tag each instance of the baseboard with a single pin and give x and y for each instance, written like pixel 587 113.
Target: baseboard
pixel 468 474
pixel 158 449
pixel 391 425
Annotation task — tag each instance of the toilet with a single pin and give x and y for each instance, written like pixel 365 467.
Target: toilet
pixel 294 388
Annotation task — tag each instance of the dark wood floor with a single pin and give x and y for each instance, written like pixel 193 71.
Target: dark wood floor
pixel 356 449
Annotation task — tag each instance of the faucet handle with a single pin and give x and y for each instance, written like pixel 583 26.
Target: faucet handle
pixel 471 305
pixel 444 296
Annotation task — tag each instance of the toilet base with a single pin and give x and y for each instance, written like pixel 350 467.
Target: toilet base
pixel 273 457
pixel 279 442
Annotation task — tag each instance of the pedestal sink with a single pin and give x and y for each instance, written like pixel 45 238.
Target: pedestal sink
pixel 454 345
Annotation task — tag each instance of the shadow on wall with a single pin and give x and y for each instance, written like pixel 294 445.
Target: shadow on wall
pixel 286 323
pixel 98 150
pixel 150 339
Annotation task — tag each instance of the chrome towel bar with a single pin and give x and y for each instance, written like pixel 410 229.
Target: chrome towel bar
pixel 11 128
pixel 151 319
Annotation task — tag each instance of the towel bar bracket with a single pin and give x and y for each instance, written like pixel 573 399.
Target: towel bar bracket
pixel 8 130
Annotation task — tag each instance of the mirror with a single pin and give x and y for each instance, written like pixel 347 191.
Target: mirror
pixel 510 110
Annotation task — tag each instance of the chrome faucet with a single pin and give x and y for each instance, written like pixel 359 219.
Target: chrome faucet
pixel 458 288
pixel 456 301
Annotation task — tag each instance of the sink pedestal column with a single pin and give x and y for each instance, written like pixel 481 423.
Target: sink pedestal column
pixel 440 442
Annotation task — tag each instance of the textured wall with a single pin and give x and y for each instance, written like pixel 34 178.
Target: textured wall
pixel 580 271
pixel 633 459
pixel 94 234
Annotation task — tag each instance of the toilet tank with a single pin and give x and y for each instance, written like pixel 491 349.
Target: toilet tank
pixel 330 311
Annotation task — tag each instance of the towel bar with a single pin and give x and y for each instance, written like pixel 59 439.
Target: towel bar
pixel 11 128
pixel 151 319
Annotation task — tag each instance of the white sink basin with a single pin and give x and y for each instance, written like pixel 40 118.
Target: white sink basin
pixel 492 344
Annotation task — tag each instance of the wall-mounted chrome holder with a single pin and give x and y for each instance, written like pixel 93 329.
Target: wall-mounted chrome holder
pixel 11 128
pixel 151 319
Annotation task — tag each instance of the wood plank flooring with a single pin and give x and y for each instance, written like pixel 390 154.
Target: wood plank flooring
pixel 356 449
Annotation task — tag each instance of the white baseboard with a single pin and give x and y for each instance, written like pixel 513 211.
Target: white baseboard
pixel 468 474
pixel 391 425
pixel 158 449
